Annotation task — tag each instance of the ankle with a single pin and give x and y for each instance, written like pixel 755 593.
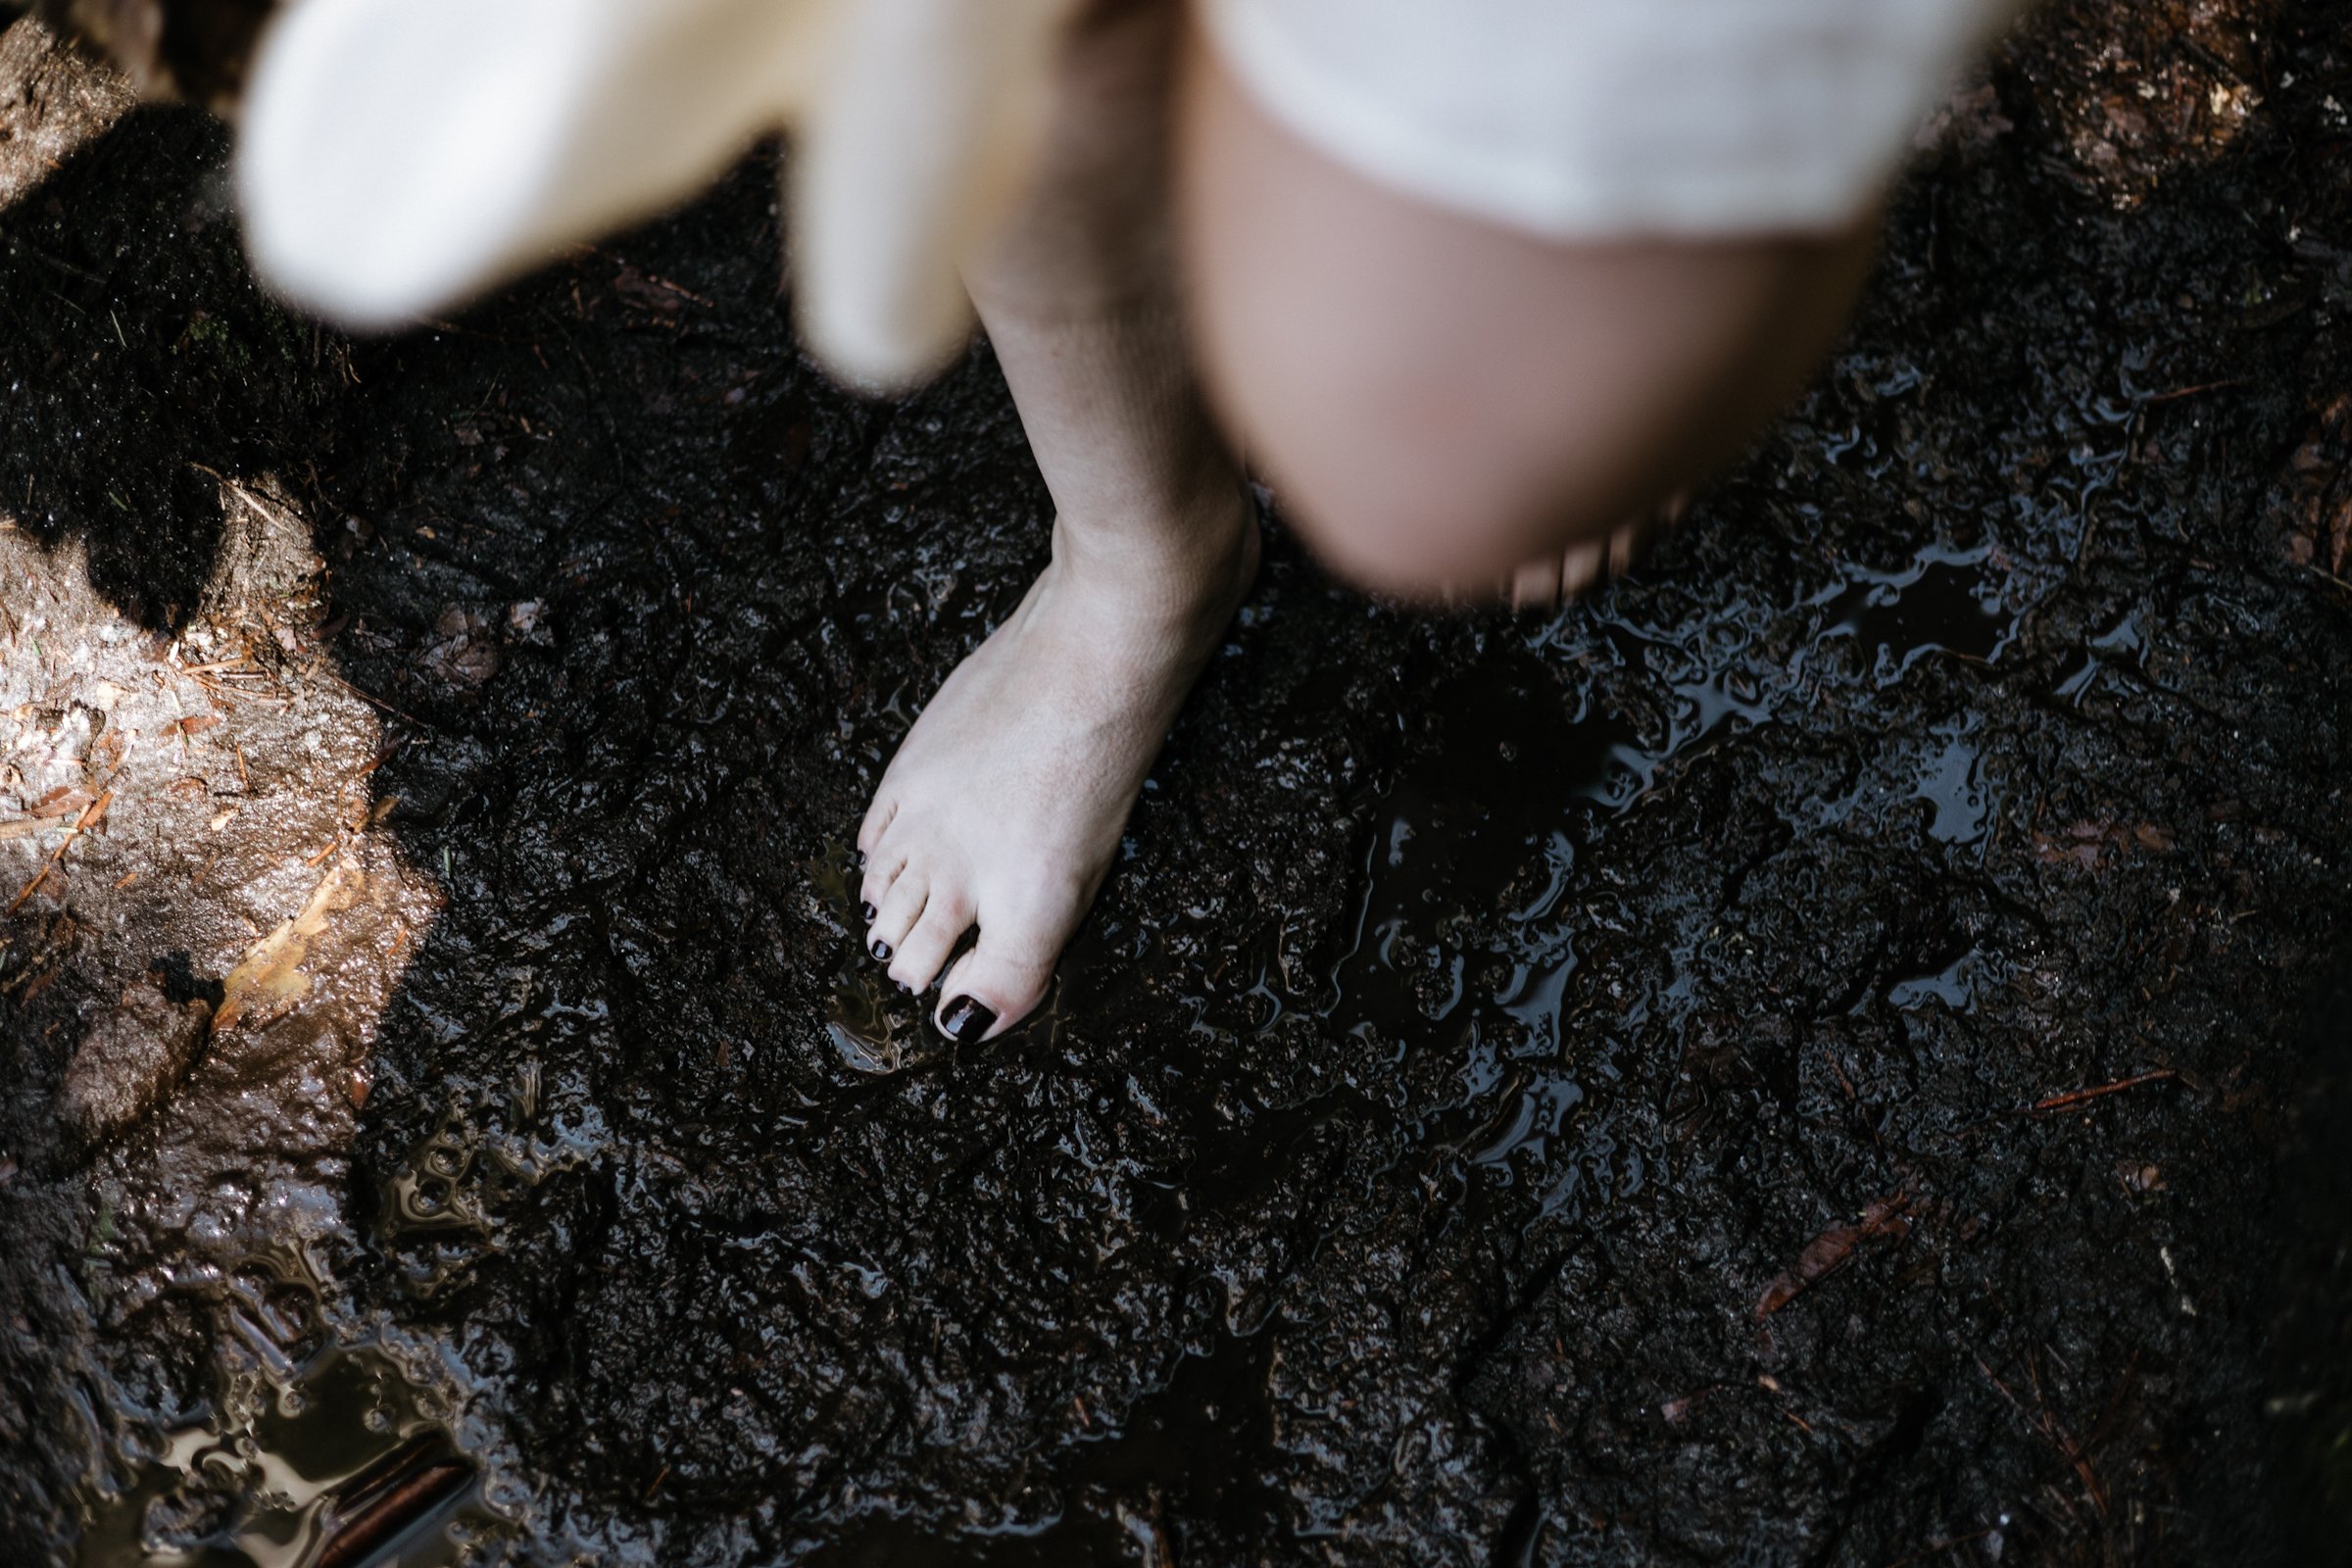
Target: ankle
pixel 1193 557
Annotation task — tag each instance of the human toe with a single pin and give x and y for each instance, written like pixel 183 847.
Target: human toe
pixel 1535 584
pixel 1579 566
pixel 1621 550
pixel 991 989
pixel 924 951
pixel 884 865
pixel 876 822
pixel 897 915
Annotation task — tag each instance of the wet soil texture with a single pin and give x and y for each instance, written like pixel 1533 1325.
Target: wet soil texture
pixel 1831 1052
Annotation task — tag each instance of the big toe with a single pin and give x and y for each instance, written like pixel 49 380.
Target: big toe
pixel 994 986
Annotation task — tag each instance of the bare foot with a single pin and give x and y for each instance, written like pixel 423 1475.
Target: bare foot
pixel 1005 804
pixel 1552 580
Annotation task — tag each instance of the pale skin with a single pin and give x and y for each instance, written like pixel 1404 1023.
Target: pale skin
pixel 1447 409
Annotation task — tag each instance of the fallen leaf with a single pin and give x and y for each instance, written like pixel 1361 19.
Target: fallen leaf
pixel 62 802
pixel 463 651
pixel 1832 1251
pixel 271 972
pixel 2050 849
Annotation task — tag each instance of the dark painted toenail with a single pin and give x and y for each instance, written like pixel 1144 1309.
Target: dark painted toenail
pixel 905 989
pixel 869 911
pixel 966 1020
pixel 857 858
pixel 880 949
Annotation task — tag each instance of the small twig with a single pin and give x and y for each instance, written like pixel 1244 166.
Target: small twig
pixel 38 877
pixel 38 255
pixel 2077 1096
pixel 89 816
pixel 236 693
pixel 374 702
pixel 2190 391
pixel 1843 1082
pixel 383 756
pixel 2067 1444
pixel 676 288
pixel 2046 1427
pixel 354 1539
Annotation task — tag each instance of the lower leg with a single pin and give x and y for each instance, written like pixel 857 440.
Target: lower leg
pixel 1079 299
pixel 1004 806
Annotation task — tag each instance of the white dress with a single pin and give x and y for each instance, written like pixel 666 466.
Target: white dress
pixel 1605 118
pixel 396 156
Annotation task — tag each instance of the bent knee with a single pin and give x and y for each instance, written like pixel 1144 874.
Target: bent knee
pixel 1426 468
pixel 1440 401
pixel 1430 436
pixel 1427 518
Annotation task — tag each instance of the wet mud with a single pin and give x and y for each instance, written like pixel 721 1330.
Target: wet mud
pixel 1831 1050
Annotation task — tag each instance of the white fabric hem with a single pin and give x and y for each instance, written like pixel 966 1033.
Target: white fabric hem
pixel 1612 119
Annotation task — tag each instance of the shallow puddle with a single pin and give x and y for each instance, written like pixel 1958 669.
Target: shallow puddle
pixel 330 1464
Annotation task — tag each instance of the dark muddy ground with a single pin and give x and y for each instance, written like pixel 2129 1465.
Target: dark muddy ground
pixel 1833 1051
